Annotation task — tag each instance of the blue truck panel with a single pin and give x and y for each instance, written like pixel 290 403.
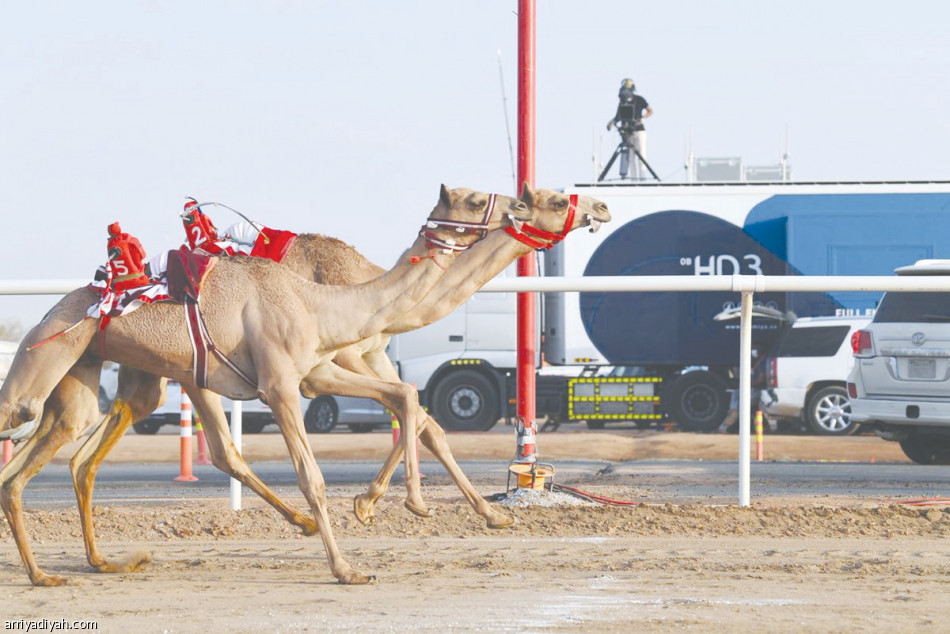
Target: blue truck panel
pixel 678 328
pixel 853 234
pixel 810 234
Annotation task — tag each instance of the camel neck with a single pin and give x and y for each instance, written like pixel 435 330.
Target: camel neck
pixel 355 313
pixel 471 270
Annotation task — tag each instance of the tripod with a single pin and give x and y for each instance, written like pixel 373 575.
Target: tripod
pixel 624 150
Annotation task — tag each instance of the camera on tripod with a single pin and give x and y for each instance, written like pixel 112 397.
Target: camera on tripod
pixel 627 116
pixel 628 121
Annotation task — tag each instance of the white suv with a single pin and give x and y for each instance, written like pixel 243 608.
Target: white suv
pixel 901 377
pixel 806 372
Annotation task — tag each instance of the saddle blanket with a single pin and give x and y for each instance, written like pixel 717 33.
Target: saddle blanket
pixel 185 275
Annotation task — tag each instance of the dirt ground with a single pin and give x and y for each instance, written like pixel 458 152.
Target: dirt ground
pixel 564 566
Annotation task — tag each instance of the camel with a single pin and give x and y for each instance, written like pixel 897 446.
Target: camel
pixel 140 392
pixel 268 321
pixel 467 275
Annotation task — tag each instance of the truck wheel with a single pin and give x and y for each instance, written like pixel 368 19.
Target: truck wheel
pixel 829 412
pixel 926 449
pixel 465 401
pixel 697 401
pixel 321 415
pixel 148 427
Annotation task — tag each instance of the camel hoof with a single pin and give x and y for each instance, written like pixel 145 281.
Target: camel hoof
pixel 418 509
pixel 309 527
pixel 501 521
pixel 49 581
pixel 363 509
pixel 357 579
pixel 132 563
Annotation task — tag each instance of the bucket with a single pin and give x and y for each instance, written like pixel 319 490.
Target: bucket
pixel 531 476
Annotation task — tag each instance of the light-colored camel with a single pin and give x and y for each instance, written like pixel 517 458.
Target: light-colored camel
pixel 139 392
pixel 472 269
pixel 268 321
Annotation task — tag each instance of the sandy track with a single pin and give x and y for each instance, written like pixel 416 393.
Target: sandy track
pixel 563 568
pixel 801 564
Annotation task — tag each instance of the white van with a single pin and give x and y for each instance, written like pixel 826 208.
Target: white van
pixel 806 374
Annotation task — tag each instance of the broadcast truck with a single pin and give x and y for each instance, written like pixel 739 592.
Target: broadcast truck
pixel 656 357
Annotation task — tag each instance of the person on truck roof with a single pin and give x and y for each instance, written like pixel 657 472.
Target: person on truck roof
pixel 631 111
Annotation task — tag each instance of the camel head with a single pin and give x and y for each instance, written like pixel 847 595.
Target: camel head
pixel 552 213
pixel 464 216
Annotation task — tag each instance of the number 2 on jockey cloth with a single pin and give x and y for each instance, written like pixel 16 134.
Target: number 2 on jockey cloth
pixel 199 237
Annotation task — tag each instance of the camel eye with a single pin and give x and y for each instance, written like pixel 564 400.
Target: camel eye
pixel 476 205
pixel 561 204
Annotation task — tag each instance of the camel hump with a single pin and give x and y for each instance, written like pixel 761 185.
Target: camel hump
pixel 187 273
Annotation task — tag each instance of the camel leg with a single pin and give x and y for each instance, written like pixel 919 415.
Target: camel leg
pixel 433 438
pixel 35 373
pixel 137 396
pixel 402 399
pixel 284 402
pixel 69 408
pixel 226 457
pixel 364 504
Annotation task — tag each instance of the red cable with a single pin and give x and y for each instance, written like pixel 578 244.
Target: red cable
pixel 591 497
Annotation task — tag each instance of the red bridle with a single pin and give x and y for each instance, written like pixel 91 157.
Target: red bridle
pixel 433 241
pixel 528 233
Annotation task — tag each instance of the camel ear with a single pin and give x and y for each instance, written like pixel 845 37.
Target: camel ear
pixel 527 195
pixel 444 196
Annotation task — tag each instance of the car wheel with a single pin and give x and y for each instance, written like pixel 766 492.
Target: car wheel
pixel 148 427
pixel 253 425
pixel 105 403
pixel 595 424
pixel 361 428
pixel 321 415
pixel 465 401
pixel 829 412
pixel 697 401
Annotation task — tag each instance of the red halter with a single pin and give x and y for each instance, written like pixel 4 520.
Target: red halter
pixel 528 233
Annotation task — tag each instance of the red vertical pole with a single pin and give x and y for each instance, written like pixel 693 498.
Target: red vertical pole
pixel 527 266
pixel 7 451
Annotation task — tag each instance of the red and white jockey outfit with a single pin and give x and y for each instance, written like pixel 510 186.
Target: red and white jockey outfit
pixel 126 260
pixel 201 233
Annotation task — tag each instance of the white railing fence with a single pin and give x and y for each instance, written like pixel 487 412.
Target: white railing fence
pixel 746 285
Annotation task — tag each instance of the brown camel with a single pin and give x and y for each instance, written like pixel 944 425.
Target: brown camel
pixel 139 392
pixel 268 321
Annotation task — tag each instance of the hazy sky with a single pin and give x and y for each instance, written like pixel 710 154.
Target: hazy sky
pixel 344 117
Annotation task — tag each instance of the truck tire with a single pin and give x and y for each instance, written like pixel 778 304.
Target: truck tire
pixel 465 401
pixel 829 412
pixel 321 416
pixel 924 449
pixel 697 401
pixel 148 427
